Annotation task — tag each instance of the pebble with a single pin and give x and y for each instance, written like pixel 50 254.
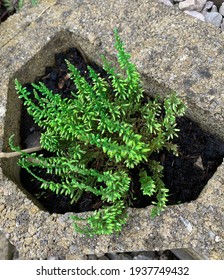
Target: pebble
pixel 214 9
pixel 145 256
pixel 208 5
pixel 222 26
pixel 208 11
pixel 166 2
pixel 2 207
pixel 221 9
pixel 192 5
pixel 195 14
pixel 214 18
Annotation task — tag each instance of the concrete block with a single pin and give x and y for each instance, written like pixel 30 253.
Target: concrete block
pixel 172 52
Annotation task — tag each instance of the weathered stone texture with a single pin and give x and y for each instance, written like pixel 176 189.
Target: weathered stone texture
pixel 172 52
pixel 6 249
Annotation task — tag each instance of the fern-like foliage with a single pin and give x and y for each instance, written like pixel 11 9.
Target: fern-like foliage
pixel 98 136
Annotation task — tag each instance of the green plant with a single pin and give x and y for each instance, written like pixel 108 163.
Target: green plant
pixel 96 138
pixel 12 5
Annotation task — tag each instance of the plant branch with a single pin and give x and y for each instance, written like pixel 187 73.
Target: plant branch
pixel 15 154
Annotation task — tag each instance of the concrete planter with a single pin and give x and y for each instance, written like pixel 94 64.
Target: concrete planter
pixel 172 52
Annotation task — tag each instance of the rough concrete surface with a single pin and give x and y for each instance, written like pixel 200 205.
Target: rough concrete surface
pixel 6 249
pixel 172 52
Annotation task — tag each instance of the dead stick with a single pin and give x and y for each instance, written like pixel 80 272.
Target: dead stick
pixel 15 154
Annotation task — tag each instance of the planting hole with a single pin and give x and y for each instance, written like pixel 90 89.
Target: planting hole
pixel 185 176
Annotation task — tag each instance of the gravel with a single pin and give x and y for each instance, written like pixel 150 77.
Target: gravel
pixel 208 11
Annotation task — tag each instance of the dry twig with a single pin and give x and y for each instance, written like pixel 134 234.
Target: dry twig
pixel 15 154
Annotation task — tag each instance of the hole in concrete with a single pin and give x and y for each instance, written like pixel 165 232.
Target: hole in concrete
pixel 200 157
pixel 26 74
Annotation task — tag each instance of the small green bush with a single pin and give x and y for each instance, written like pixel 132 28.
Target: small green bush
pixel 97 137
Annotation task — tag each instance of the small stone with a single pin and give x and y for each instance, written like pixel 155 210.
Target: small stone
pixel 145 256
pixel 217 239
pixel 195 14
pixel 32 230
pixel 163 256
pixel 2 207
pixel 99 255
pixel 208 5
pixel 214 9
pixel 91 37
pixel 166 2
pixel 214 18
pixel 187 224
pixel 199 163
pixel 192 5
pixel 53 258
pixel 211 234
pixel 221 9
pixel 125 256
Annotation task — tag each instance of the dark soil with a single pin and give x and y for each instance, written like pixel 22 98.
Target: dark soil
pixel 185 176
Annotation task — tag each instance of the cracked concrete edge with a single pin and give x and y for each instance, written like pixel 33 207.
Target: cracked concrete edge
pixel 197 225
pixel 37 234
